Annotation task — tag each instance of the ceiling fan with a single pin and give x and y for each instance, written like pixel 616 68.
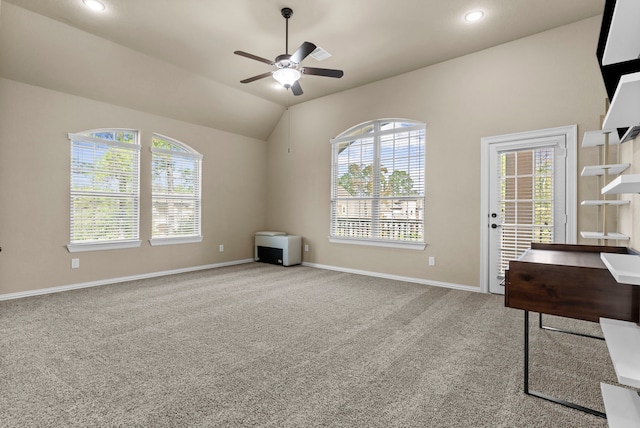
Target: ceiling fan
pixel 287 67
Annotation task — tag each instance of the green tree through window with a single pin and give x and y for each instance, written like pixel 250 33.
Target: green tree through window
pixel 104 188
pixel 378 182
pixel 176 204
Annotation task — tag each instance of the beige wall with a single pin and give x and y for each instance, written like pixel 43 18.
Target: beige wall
pixel 543 81
pixel 547 80
pixel 34 200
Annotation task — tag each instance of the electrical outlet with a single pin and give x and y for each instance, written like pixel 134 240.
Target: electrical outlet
pixel 221 248
pixel 306 247
pixel 432 261
pixel 75 263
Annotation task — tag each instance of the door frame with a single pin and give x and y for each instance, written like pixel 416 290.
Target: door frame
pixel 570 133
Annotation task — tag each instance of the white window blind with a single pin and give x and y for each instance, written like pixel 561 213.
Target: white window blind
pixel 378 186
pixel 526 201
pixel 105 187
pixel 176 198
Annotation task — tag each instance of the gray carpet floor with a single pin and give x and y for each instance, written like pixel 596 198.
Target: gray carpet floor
pixel 257 345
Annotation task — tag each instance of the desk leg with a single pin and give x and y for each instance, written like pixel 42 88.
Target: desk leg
pixel 540 394
pixel 544 327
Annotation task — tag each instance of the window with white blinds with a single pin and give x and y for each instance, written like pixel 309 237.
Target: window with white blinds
pixel 105 189
pixel 378 188
pixel 176 197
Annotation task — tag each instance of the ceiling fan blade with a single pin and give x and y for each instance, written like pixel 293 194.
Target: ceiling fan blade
pixel 327 72
pixel 258 77
pixel 296 88
pixel 257 58
pixel 302 52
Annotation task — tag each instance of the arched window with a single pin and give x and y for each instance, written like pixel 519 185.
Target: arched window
pixel 176 198
pixel 377 190
pixel 105 189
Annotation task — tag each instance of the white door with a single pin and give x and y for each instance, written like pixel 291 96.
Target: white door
pixel 526 200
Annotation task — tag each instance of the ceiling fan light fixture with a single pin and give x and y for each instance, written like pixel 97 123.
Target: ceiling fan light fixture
pixel 286 76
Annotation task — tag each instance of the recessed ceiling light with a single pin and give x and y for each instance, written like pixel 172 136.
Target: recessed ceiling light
pixel 473 16
pixel 94 4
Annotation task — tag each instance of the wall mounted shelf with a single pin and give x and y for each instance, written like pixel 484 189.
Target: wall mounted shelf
pixel 601 202
pixel 596 138
pixel 623 40
pixel 623 184
pixel 625 268
pixel 623 342
pixel 595 170
pixel 609 236
pixel 622 406
pixel 625 105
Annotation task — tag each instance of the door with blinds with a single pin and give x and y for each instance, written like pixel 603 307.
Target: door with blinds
pixel 527 200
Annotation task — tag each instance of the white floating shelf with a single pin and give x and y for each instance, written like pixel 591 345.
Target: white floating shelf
pixel 623 342
pixel 623 40
pixel 629 183
pixel 596 138
pixel 600 202
pixel 613 169
pixel 624 110
pixel 600 235
pixel 622 406
pixel 625 268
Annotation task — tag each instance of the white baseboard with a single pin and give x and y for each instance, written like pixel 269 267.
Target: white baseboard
pixel 395 277
pixel 61 288
pixel 58 289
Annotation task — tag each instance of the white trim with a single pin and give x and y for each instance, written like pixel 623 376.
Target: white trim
pixel 185 154
pixel 408 245
pixel 41 291
pixel 416 127
pixel 570 133
pixel 395 277
pixel 155 242
pixel 80 137
pixel 99 246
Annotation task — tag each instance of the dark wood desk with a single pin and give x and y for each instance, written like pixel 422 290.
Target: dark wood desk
pixel 569 281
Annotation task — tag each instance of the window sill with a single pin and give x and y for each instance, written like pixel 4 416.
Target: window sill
pixel 155 242
pixel 78 248
pixel 404 245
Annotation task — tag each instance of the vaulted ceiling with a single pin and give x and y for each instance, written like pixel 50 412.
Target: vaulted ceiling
pixel 186 47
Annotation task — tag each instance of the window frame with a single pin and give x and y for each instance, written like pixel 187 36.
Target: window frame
pixel 134 147
pixel 375 132
pixel 185 152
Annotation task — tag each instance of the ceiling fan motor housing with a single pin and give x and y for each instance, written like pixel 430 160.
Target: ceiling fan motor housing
pixel 282 61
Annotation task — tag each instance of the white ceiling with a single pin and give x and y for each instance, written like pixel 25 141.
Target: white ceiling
pixel 369 39
pixel 186 47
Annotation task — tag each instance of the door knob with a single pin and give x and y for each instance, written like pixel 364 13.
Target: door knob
pixel 495 226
